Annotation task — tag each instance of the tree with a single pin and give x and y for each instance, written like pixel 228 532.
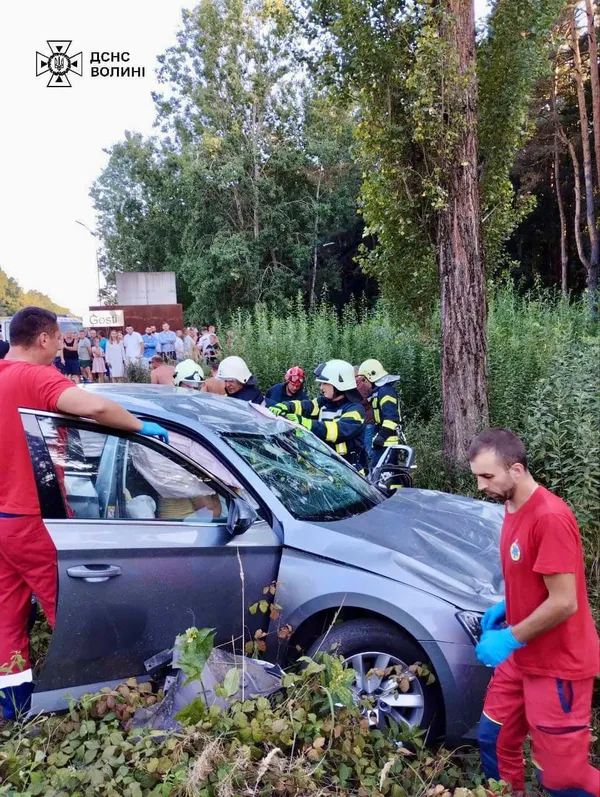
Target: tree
pixel 249 178
pixel 461 273
pixel 427 191
pixel 13 298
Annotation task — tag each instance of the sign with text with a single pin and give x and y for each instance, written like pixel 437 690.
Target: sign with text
pixel 103 318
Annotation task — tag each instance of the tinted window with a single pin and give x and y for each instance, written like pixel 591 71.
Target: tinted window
pixel 109 477
pixel 303 472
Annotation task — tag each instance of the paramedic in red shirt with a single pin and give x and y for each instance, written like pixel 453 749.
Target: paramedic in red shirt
pixel 541 639
pixel 27 554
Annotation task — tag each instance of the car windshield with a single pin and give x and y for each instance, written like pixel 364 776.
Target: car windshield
pixel 310 481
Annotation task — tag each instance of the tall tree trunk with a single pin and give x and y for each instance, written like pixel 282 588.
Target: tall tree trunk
pixel 564 255
pixel 313 277
pixel 462 279
pixel 593 50
pixel 587 161
pixel 255 175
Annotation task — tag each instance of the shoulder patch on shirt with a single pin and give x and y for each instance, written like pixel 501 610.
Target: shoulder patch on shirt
pixel 515 551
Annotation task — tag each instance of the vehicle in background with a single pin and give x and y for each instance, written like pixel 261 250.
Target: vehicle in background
pixel 65 322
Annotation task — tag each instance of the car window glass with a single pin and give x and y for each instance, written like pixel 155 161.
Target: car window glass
pixel 109 477
pixel 309 479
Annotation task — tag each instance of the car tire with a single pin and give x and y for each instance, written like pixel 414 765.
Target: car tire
pixel 363 636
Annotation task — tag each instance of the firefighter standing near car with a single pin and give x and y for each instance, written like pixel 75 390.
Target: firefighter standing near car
pixel 386 406
pixel 337 416
pixel 28 561
pixel 292 387
pixel 541 639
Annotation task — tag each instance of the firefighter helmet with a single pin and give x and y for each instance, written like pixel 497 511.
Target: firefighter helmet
pixel 372 370
pixel 234 368
pixel 338 373
pixel 295 375
pixel 188 373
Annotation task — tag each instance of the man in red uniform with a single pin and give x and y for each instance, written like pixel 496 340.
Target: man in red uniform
pixel 541 639
pixel 27 554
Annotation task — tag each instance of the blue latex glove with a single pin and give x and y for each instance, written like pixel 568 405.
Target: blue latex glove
pixel 151 429
pixel 496 646
pixel 494 617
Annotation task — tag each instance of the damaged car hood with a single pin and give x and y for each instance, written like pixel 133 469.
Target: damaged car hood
pixel 444 544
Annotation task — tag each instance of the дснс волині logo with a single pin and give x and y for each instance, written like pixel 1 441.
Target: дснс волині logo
pixel 58 63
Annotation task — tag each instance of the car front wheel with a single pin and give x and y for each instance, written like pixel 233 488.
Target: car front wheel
pixel 367 645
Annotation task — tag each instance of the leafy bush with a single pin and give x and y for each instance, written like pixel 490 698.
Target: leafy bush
pixel 137 372
pixel 310 739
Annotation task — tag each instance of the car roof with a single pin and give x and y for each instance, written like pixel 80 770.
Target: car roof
pixel 220 414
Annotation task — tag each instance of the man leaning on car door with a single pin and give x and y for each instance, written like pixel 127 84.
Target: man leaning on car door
pixel 28 560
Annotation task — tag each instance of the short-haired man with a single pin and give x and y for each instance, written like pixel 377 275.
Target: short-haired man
pixel 160 372
pixel 166 342
pixel 27 554
pixel 133 344
pixel 541 639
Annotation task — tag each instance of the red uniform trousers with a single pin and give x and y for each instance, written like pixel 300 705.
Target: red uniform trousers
pixel 27 564
pixel 557 715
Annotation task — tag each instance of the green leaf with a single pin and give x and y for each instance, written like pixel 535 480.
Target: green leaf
pixel 231 684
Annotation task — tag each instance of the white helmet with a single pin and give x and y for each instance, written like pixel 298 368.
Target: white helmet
pixel 338 373
pixel 234 368
pixel 188 373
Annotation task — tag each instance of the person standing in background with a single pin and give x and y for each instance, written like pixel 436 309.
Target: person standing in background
pixel 98 364
pixel 70 357
pixel 188 343
pixel 84 352
pixel 134 345
pixel 115 357
pixel 179 346
pixel 150 344
pixel 166 341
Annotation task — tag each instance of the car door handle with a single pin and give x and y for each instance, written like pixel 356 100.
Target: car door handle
pixel 94 574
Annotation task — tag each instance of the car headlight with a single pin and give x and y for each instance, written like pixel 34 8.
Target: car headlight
pixel 471 622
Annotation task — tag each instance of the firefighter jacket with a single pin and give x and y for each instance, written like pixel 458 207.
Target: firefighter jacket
pixel 341 424
pixel 387 414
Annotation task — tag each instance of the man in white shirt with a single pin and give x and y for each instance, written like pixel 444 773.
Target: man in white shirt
pixel 134 345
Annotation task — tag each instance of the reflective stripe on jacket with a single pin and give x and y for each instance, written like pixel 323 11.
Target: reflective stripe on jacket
pixel 387 414
pixel 339 423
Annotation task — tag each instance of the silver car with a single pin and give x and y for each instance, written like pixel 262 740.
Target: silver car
pixel 154 538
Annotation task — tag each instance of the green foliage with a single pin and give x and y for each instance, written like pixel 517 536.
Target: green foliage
pixel 136 371
pixel 308 739
pixel 14 298
pixel 529 338
pixel 512 56
pixel 251 176
pixel 563 432
pixel 194 649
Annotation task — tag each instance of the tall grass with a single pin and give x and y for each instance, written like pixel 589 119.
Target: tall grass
pixel 542 368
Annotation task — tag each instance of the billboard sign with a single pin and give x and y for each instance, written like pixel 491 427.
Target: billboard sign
pixel 104 318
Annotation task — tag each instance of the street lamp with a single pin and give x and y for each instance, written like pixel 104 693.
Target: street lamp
pixel 94 235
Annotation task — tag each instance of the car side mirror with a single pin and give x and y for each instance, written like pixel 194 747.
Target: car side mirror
pixel 240 517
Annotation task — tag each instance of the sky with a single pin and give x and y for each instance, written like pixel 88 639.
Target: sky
pixel 52 139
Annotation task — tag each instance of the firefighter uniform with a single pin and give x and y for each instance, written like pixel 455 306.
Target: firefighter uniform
pixel 388 416
pixel 341 424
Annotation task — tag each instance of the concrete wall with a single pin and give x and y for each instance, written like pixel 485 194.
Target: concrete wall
pixel 146 287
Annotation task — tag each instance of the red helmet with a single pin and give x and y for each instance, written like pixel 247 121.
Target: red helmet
pixel 295 375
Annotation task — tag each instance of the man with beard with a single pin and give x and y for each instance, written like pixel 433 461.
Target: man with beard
pixel 541 639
